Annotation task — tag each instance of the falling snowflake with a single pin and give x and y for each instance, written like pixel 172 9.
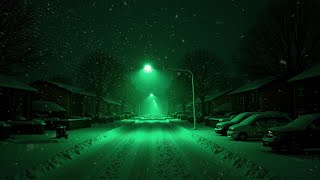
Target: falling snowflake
pixel 176 17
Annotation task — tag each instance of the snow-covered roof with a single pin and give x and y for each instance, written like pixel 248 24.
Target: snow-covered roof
pixel 108 100
pixel 253 85
pixel 196 100
pixel 69 88
pixel 223 107
pixel 314 71
pixel 215 95
pixel 9 82
pixel 46 106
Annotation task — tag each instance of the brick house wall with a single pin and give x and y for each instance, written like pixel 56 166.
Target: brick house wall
pixel 270 97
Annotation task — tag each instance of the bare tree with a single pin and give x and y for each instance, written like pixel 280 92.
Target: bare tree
pixel 284 41
pixel 101 74
pixel 180 91
pixel 208 71
pixel 19 37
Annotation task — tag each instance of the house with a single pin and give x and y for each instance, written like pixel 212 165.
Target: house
pixel 307 91
pixel 15 99
pixel 111 106
pixel 76 101
pixel 266 94
pixel 215 100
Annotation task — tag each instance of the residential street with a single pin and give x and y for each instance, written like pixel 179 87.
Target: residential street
pixel 147 150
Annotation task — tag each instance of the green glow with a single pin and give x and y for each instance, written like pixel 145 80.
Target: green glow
pixel 151 94
pixel 147 68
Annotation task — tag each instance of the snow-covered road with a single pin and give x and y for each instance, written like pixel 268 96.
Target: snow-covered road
pixel 147 150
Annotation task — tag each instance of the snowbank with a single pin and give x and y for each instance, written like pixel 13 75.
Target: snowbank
pixel 31 156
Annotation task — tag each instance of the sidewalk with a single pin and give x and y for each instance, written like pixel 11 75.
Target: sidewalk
pixel 287 166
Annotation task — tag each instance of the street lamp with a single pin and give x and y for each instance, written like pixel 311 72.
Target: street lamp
pixel 147 68
pixel 193 101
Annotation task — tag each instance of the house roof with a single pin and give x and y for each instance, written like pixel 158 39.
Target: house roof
pixel 223 107
pixel 314 71
pixel 253 85
pixel 215 95
pixel 209 97
pixel 196 101
pixel 69 88
pixel 112 101
pixel 9 82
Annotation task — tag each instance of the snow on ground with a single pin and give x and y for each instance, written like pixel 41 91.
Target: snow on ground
pixel 21 153
pixel 147 149
pixel 252 157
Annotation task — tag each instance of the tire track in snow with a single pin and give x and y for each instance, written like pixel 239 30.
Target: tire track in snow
pixel 170 164
pixel 120 156
pixel 69 163
pixel 141 164
pixel 201 162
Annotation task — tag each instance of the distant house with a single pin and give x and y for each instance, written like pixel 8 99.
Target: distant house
pixel 15 99
pixel 76 101
pixel 215 100
pixel 111 106
pixel 267 94
pixel 307 90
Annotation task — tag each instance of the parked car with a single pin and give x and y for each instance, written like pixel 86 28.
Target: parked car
pixel 213 120
pixel 184 116
pixel 302 133
pixel 222 127
pixel 104 118
pixel 128 115
pixel 176 114
pixel 199 117
pixel 117 116
pixel 257 125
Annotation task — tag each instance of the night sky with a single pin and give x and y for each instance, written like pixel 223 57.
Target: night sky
pixel 159 32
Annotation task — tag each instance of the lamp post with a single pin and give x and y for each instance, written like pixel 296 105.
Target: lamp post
pixel 193 101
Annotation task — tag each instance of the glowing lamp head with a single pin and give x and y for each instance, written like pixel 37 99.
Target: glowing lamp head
pixel 147 68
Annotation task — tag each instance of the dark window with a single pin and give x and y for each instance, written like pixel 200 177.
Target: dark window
pixel 300 91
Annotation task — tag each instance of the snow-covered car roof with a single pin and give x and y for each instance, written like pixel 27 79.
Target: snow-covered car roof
pixel 304 121
pixel 241 115
pixel 264 114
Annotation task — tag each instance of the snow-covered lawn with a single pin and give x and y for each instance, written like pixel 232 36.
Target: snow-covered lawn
pixel 22 152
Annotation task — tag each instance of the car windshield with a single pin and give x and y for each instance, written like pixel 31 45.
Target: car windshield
pixel 240 117
pixel 147 89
